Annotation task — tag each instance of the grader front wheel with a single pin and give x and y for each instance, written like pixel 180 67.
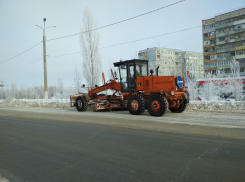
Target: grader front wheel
pixel 136 104
pixel 81 104
pixel 157 105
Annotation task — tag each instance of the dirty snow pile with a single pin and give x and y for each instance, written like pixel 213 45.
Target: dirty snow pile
pixel 217 106
pixel 51 103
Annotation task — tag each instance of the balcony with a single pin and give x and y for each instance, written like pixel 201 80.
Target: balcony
pixel 239 30
pixel 220 42
pixel 220 34
pixel 221 50
pixel 226 50
pixel 209 61
pixel 211 68
pixel 242 65
pixel 209 53
pixel 240 39
pixel 210 45
pixel 239 48
pixel 240 56
pixel 223 66
pixel 221 59
pixel 209 38
pixel 230 32
pixel 242 73
pixel 224 25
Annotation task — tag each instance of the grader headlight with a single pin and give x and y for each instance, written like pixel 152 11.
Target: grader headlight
pixel 172 92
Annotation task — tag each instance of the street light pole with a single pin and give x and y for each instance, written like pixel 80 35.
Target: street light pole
pixel 45 64
pixel 44 60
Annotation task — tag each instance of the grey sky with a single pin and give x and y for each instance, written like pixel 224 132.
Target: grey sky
pixel 18 32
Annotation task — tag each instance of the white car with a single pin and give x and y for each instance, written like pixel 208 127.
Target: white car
pixel 232 98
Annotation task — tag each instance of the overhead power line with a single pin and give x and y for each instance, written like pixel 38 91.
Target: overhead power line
pixel 21 53
pixel 114 46
pixel 118 21
pixel 95 29
pixel 131 41
pixel 22 66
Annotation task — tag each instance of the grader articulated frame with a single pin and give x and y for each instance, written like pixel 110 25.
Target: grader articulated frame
pixel 136 91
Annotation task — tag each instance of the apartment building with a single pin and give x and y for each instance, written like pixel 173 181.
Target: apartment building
pixel 173 61
pixel 224 40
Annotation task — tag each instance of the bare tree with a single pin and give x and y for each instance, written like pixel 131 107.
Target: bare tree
pixel 90 53
pixel 77 80
pixel 236 82
pixel 60 87
pixel 192 84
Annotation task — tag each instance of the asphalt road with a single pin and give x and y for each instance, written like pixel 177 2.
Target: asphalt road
pixel 38 149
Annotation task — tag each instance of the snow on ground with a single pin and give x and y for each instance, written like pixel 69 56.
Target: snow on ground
pixel 217 106
pixel 205 106
pixel 30 103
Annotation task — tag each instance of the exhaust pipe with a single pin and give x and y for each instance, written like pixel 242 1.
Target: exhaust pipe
pixel 157 70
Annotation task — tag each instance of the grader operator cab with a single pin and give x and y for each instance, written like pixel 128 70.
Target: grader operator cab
pixel 139 90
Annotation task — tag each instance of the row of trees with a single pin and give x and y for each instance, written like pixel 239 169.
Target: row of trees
pixel 57 91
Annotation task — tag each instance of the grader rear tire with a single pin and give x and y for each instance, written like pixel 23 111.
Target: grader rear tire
pixel 181 108
pixel 81 104
pixel 136 105
pixel 157 105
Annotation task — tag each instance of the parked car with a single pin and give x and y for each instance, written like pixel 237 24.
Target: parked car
pixel 198 98
pixel 233 98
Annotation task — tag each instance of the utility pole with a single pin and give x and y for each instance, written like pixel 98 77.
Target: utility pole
pixel 45 64
pixel 45 60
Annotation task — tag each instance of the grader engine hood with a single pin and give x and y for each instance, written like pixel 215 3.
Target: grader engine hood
pixel 164 83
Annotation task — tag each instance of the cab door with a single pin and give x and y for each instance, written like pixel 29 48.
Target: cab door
pixel 131 77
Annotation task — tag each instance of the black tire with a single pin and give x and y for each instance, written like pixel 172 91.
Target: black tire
pixel 157 105
pixel 81 104
pixel 181 108
pixel 136 105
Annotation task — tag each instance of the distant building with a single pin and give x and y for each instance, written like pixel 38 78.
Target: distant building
pixel 173 61
pixel 1 84
pixel 223 39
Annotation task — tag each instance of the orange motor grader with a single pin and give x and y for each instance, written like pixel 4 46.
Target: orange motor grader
pixel 136 90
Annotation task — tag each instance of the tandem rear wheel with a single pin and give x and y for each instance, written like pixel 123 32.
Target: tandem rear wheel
pixel 181 108
pixel 157 105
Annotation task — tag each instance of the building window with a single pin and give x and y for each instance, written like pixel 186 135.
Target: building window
pixel 221 55
pixel 239 36
pixel 231 37
pixel 211 33
pixel 230 29
pixel 212 41
pixel 221 31
pixel 222 47
pixel 239 44
pixel 230 20
pixel 240 52
pixel 221 23
pixel 222 39
pixel 239 27
pixel 232 45
pixel 214 56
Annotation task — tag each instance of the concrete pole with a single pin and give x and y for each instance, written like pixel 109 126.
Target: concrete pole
pixel 45 64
